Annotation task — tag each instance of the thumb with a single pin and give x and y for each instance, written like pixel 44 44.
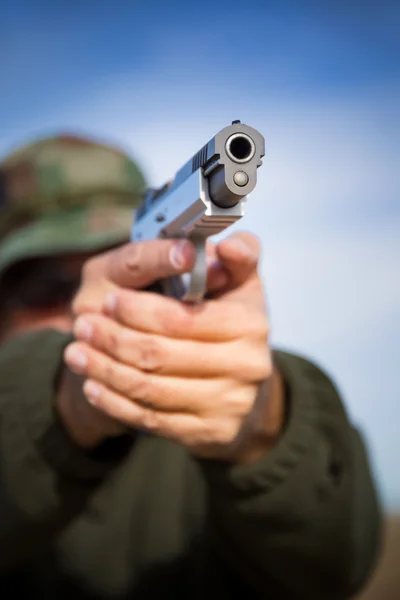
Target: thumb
pixel 239 255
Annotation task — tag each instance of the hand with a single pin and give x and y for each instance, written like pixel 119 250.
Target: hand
pixel 195 374
pixel 134 266
pixel 137 266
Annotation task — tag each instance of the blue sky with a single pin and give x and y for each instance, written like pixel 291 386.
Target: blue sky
pixel 322 83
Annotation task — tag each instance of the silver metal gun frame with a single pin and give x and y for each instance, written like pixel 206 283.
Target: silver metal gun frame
pixel 207 195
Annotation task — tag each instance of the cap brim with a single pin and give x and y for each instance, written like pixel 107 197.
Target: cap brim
pixel 90 229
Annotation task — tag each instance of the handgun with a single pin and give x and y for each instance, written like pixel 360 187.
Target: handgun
pixel 206 195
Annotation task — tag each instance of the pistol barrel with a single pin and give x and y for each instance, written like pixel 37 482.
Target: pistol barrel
pixel 238 153
pixel 226 167
pixel 207 195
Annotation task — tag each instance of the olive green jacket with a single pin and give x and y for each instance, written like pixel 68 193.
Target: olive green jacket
pixel 142 519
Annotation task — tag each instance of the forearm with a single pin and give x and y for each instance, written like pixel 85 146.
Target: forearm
pixel 301 508
pixel 46 478
pixel 266 423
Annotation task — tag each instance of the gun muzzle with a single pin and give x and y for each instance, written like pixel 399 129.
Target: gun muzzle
pixel 232 173
pixel 240 147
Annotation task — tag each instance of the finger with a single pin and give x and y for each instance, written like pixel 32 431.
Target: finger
pixel 140 264
pixel 126 266
pixel 217 276
pixel 161 393
pixel 133 266
pixel 168 356
pixel 239 255
pixel 90 296
pixel 183 428
pixel 201 435
pixel 212 320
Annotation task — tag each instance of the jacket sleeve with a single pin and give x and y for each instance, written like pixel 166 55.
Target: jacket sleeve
pixel 303 522
pixel 45 479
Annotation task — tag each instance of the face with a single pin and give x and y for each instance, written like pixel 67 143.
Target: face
pixel 40 293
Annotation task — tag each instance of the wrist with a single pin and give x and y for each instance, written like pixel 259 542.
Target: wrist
pixel 85 425
pixel 266 423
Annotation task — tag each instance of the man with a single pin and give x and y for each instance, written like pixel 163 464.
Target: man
pixel 163 450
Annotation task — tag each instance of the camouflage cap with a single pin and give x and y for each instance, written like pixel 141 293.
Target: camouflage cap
pixel 65 194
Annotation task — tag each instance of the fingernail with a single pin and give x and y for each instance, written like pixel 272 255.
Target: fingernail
pixel 83 329
pixel 243 248
pixel 76 359
pixel 110 302
pixel 180 254
pixel 91 391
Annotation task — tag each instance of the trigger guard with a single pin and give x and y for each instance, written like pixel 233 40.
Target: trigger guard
pixel 197 287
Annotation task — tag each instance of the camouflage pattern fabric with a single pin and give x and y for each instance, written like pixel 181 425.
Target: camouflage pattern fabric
pixel 65 194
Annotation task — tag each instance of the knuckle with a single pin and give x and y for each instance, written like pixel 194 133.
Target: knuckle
pixel 151 420
pixel 133 260
pixel 137 386
pixel 174 322
pixel 126 308
pixel 115 341
pixel 110 373
pixel 260 370
pixel 258 328
pixel 88 298
pixel 239 401
pixel 206 435
pixel 151 354
pixel 259 363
